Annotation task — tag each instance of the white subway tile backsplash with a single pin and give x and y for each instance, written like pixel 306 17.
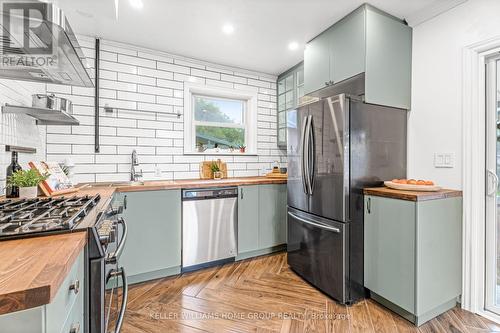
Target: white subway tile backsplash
pixel 144 87
pixel 136 61
pixel 162 74
pixel 136 79
pixel 118 67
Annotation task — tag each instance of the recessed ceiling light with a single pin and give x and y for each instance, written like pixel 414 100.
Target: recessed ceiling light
pixel 137 4
pixel 228 28
pixel 293 46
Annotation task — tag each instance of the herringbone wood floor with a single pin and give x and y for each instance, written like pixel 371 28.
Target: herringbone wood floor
pixel 264 295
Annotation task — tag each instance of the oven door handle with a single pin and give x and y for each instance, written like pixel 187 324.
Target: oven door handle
pixel 113 274
pixel 112 257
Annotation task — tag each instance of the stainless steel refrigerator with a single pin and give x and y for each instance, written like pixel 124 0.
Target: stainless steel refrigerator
pixel 336 147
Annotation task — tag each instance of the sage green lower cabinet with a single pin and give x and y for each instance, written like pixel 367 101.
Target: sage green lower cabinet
pixel 248 218
pixel 153 246
pixel 64 314
pixel 412 255
pixel 261 219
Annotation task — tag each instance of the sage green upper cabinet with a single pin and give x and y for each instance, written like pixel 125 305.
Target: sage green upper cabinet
pixel 317 62
pixel 348 47
pixel 366 41
pixel 388 60
pixel 153 246
pixel 290 90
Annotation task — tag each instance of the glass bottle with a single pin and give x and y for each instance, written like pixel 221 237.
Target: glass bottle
pixel 12 191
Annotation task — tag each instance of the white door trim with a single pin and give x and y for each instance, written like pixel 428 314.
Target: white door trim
pixel 473 120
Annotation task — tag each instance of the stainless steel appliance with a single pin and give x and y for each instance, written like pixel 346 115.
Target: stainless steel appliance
pixel 209 226
pixel 35 217
pixel 51 54
pixel 336 147
pixel 50 101
pixel 106 241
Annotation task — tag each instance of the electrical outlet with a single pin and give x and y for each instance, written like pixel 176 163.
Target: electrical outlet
pixel 157 172
pixel 444 160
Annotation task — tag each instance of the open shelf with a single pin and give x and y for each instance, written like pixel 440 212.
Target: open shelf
pixel 42 115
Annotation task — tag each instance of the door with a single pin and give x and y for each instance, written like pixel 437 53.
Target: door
pixel 317 62
pixel 492 299
pixel 329 158
pixel 348 46
pixel 317 252
pixel 272 221
pixel 248 226
pixel 208 230
pixel 296 126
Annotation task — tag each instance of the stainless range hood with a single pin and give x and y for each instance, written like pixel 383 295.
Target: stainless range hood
pixel 38 44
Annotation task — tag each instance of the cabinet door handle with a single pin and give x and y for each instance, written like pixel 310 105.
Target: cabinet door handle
pixel 75 328
pixel 125 201
pixel 75 286
pixel 369 205
pixel 241 194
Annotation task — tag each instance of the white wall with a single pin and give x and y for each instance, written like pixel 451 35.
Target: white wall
pixel 152 84
pixel 435 123
pixel 19 130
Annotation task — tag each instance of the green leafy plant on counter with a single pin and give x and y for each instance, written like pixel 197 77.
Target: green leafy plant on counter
pixel 214 167
pixel 26 178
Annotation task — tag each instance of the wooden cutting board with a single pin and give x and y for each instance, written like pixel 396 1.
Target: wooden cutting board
pixel 206 170
pixel 410 187
pixel 277 175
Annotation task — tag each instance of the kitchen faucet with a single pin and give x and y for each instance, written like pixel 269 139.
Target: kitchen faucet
pixel 134 175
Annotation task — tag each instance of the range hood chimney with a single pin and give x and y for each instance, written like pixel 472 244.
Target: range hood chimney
pixel 38 44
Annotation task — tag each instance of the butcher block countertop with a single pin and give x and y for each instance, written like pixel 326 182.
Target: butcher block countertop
pixel 156 185
pixel 411 195
pixel 32 269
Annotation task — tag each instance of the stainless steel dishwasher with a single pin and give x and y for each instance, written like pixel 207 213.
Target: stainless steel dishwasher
pixel 209 226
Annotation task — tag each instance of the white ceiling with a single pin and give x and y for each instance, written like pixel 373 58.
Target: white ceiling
pixel 192 28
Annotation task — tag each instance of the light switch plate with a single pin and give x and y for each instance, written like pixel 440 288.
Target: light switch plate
pixel 444 160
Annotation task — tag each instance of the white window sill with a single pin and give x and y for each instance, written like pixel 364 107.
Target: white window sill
pixel 221 153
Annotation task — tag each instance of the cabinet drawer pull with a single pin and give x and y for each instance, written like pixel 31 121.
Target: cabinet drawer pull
pixel 75 328
pixel 75 287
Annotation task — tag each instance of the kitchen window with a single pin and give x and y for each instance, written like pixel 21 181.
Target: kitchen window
pixel 219 121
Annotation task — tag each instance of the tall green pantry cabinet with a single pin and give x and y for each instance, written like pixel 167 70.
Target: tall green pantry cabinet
pixel 413 251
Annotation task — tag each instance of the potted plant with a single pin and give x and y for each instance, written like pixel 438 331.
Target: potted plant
pixel 242 148
pixel 217 174
pixel 200 147
pixel 27 181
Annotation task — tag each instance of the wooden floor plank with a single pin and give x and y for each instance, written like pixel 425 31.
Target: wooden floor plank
pixel 359 318
pixel 264 295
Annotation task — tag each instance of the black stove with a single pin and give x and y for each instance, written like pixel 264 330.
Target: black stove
pixel 32 217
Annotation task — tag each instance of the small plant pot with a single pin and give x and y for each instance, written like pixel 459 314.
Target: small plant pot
pixel 242 150
pixel 28 192
pixel 217 175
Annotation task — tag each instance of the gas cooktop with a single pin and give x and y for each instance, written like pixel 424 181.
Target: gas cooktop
pixel 31 217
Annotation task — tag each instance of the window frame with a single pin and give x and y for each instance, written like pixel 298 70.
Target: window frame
pixel 249 98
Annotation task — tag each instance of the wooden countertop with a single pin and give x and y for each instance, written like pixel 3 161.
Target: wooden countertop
pixel 32 269
pixel 411 195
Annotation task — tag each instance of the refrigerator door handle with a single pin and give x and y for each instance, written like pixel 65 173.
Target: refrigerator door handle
pixel 307 155
pixel 321 226
pixel 303 154
pixel 312 156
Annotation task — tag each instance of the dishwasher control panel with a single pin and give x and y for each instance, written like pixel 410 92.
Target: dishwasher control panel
pixel 210 193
